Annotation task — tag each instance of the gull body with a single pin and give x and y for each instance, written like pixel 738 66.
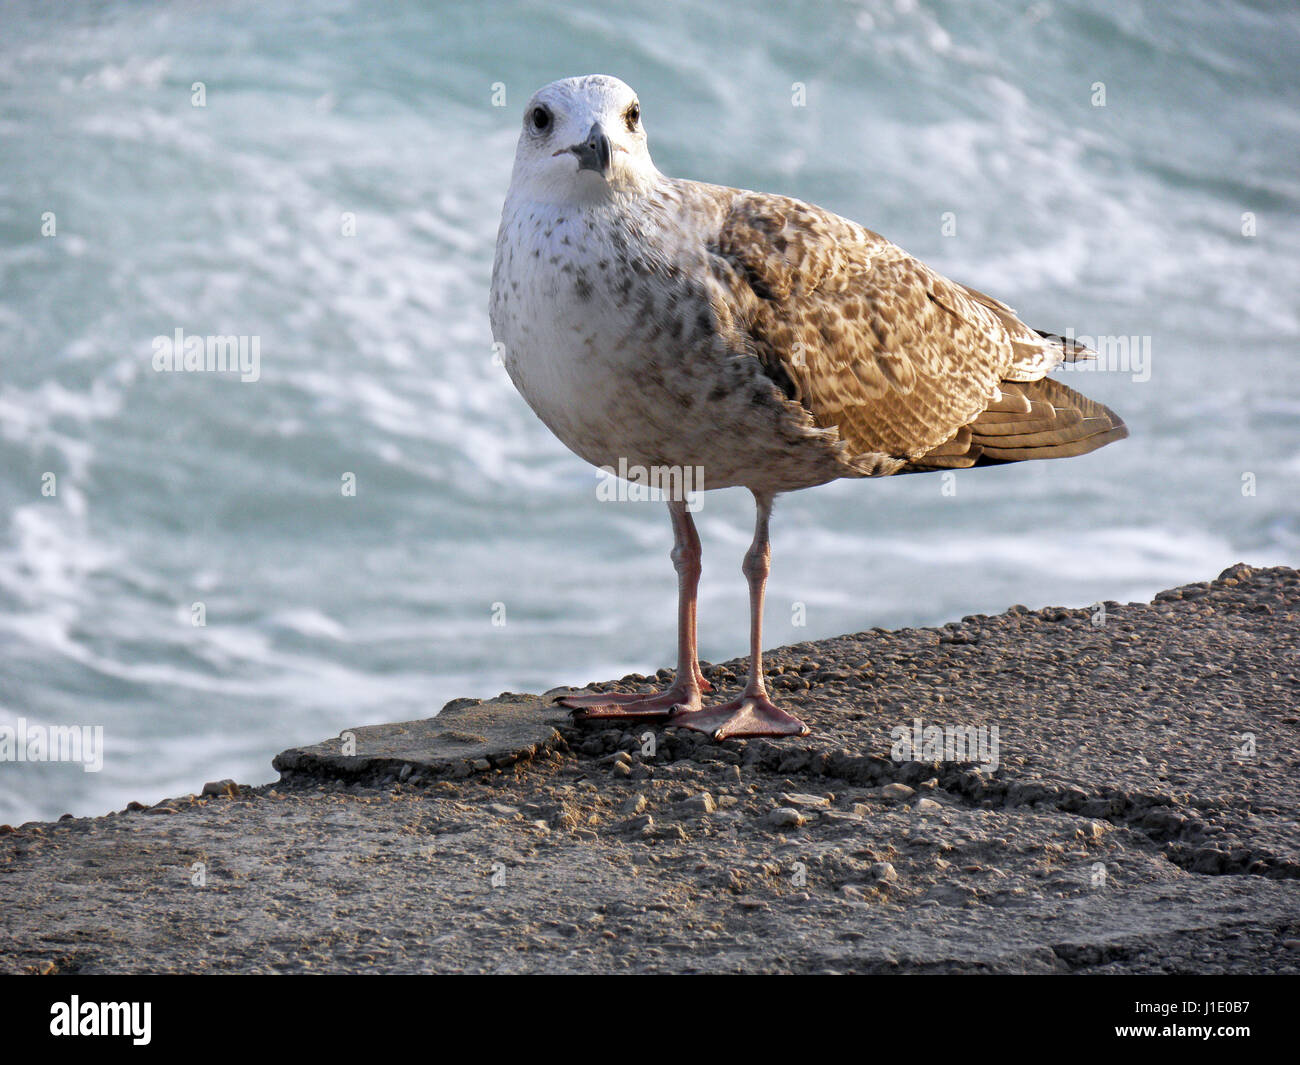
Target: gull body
pixel 658 322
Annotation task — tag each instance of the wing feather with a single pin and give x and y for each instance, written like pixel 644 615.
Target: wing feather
pixel 872 341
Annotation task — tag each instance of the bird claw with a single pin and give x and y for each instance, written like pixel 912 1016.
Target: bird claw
pixel 749 715
pixel 648 706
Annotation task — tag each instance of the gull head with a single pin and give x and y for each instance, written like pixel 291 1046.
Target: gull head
pixel 582 142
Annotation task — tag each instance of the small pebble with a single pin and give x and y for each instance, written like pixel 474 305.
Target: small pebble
pixel 696 805
pixel 808 801
pixel 639 826
pixel 786 817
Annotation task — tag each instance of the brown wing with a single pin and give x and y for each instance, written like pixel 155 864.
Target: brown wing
pixel 875 344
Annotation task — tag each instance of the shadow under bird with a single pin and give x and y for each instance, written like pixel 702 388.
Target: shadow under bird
pixel 653 322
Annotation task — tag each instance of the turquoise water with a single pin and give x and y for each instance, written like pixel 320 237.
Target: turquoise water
pixel 325 610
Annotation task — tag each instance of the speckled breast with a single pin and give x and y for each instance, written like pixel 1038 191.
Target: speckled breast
pixel 616 351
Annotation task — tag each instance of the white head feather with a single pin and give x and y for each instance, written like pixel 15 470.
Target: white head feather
pixel 558 121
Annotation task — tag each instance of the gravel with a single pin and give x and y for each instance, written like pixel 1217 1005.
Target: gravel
pixel 1140 817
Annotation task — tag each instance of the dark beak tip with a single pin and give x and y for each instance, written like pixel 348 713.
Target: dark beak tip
pixel 596 152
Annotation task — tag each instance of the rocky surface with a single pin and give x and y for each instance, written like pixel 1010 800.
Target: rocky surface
pixel 1140 815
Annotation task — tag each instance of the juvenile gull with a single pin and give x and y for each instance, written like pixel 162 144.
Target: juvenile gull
pixel 770 343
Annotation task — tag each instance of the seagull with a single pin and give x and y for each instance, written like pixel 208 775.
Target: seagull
pixel 657 323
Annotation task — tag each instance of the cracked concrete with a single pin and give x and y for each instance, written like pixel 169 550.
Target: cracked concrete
pixel 1140 817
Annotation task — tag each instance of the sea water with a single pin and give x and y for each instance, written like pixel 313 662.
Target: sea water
pixel 212 564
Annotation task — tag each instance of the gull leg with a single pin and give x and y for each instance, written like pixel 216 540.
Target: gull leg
pixel 753 713
pixel 688 593
pixel 689 683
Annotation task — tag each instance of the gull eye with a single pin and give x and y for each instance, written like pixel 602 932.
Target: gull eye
pixel 633 116
pixel 540 119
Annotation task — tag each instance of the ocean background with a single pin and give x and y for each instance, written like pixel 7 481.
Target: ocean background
pixel 325 610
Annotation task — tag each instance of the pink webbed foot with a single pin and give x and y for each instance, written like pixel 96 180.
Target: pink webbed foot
pixel 650 706
pixel 749 715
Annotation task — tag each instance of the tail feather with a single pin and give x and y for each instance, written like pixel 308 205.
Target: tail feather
pixel 1058 423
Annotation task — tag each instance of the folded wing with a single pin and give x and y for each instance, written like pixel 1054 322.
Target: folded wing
pixel 897 358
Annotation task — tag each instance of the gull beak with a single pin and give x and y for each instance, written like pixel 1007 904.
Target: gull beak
pixel 596 152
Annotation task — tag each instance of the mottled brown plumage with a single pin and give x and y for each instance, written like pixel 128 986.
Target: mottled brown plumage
pixel 894 357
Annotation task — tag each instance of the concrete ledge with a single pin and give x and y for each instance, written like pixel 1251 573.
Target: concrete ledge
pixel 1139 817
pixel 467 736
